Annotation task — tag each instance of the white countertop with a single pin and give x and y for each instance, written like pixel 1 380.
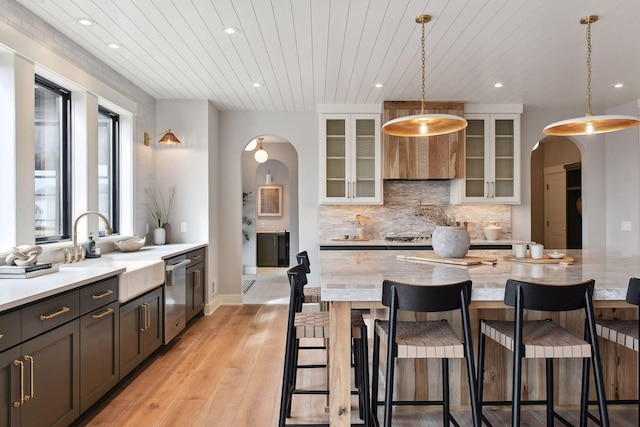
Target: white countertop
pixel 16 292
pixel 357 275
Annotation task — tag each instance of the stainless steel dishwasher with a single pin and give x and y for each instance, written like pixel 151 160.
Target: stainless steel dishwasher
pixel 175 288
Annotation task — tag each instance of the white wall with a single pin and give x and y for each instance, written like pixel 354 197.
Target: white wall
pixel 622 185
pixel 236 130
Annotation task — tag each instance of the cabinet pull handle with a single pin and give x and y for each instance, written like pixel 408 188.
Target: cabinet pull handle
pixel 197 279
pixel 30 359
pixel 1 336
pixel 17 404
pixel 197 257
pixel 104 313
pixel 493 188
pixel 57 313
pixel 148 311
pixel 102 295
pixel 142 318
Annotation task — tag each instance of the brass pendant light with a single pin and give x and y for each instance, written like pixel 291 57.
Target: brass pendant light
pixel 590 124
pixel 424 124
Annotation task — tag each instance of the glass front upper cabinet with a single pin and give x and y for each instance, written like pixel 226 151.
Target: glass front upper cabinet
pixel 350 164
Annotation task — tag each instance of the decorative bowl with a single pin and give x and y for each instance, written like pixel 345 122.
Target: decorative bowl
pixel 555 255
pixel 131 245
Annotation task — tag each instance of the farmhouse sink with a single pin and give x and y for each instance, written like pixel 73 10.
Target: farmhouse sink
pixel 139 276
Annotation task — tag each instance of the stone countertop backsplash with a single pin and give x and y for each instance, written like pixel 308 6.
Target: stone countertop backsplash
pixel 398 216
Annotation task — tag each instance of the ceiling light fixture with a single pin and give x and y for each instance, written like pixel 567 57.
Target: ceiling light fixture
pixel 231 30
pixel 114 45
pixel 256 84
pixel 167 139
pixel 618 85
pixel 590 124
pixel 378 85
pixel 85 21
pixel 424 124
pixel 260 155
pixel 498 85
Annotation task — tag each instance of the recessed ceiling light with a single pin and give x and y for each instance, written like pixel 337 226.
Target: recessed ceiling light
pixel 498 84
pixel 85 21
pixel 379 85
pixel 231 30
pixel 256 84
pixel 618 85
pixel 114 45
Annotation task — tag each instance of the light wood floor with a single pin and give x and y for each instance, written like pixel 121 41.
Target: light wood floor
pixel 225 370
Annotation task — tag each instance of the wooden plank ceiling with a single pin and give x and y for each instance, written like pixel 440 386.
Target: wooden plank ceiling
pixel 309 52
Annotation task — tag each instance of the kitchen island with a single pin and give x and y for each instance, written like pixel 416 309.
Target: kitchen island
pixel 354 278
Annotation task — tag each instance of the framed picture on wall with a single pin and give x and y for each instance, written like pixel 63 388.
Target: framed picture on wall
pixel 269 200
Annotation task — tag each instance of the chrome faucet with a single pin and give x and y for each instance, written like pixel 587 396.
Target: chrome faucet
pixel 108 231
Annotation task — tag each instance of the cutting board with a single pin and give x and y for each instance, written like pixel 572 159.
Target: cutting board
pixel 467 260
pixel 567 260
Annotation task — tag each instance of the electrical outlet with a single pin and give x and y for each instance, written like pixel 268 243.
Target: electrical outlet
pixel 262 225
pixel 625 226
pixel 183 227
pixel 213 286
pixel 146 228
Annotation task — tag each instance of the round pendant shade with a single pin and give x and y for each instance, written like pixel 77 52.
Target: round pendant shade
pixel 424 125
pixel 591 125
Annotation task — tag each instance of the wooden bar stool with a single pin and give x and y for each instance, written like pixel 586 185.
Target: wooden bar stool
pixel 423 339
pixel 624 332
pixel 316 325
pixel 545 339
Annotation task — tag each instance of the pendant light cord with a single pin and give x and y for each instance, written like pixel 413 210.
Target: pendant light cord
pixel 422 40
pixel 588 68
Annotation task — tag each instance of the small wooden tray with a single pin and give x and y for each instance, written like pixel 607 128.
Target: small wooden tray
pixel 567 260
pixel 467 260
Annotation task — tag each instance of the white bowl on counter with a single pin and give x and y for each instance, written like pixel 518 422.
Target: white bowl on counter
pixel 131 245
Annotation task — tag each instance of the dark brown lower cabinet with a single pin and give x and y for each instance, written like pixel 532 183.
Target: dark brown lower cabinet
pixel 47 369
pixel 99 353
pixel 140 329
pixel 195 290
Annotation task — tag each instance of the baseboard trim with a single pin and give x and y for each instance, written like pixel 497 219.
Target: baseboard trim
pixel 220 300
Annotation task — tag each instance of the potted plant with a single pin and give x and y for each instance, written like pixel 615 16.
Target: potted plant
pixel 449 239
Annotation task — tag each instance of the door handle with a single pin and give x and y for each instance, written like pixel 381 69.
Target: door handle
pixel 17 404
pixel 32 361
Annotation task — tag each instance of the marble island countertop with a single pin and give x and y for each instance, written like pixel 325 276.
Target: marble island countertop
pixel 16 292
pixel 357 275
pixel 335 243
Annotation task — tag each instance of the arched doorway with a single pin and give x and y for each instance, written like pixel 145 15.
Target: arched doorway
pixel 556 193
pixel 270 232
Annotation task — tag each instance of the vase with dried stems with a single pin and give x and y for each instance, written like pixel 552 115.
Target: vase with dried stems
pixel 449 239
pixel 161 213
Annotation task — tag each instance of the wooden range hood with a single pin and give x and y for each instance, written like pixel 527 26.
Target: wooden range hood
pixel 433 157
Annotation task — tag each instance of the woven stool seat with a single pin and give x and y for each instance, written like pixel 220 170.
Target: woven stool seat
pixel 541 339
pixel 423 340
pixel 312 295
pixel 623 332
pixel 316 324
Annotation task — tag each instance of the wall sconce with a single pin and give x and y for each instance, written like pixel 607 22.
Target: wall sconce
pixel 168 139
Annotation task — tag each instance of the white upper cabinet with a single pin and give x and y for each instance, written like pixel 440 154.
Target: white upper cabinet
pixel 492 160
pixel 350 159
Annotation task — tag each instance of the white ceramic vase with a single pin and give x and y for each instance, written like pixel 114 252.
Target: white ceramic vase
pixel 159 236
pixel 451 242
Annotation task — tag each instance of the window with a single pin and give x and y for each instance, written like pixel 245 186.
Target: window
pixel 108 167
pixel 52 161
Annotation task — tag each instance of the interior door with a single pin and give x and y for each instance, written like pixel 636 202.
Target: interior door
pixel 555 207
